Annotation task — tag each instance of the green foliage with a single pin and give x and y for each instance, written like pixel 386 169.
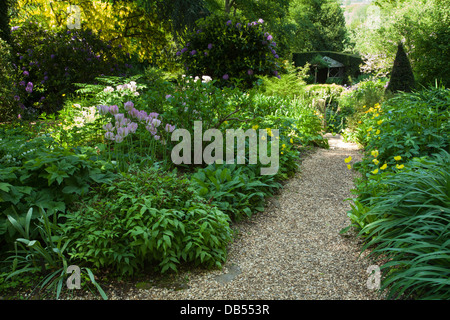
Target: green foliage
pixel 46 255
pixel 39 173
pixel 402 77
pixel 409 230
pixel 147 217
pixel 227 49
pixel 236 190
pixel 411 125
pixel 7 103
pixel 49 61
pixel 290 83
pixel 320 25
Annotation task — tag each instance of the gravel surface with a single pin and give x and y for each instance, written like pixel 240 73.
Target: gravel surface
pixel 292 251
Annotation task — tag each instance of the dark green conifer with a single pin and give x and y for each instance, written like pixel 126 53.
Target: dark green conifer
pixel 402 77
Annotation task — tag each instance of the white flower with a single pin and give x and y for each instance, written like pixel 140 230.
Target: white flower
pixel 108 89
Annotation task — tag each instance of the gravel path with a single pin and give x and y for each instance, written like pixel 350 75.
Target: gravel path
pixel 291 251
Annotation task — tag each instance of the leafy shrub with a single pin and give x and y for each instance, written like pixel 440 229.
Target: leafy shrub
pixel 230 50
pixel 147 217
pixel 39 173
pixel 408 125
pixel 237 190
pixel 48 62
pixel 290 84
pixel 7 103
pixel 408 229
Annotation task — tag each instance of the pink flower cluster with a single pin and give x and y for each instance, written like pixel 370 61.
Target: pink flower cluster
pixel 124 126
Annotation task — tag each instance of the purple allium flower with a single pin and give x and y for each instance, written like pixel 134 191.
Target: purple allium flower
pixel 52 56
pixel 155 122
pixel 273 51
pixel 225 76
pixel 193 52
pixel 238 25
pixel 229 22
pixel 119 117
pixel 21 57
pixel 132 127
pixel 153 115
pixel 276 56
pixel 269 37
pixel 178 53
pixel 22 83
pixel 250 72
pixel 128 105
pixel 46 78
pixel 210 45
pixel 205 53
pixel 122 131
pixel 274 44
pixel 169 128
pixel 26 73
pixel 17 98
pixel 14 28
pixel 151 129
pixel 113 109
pixel 168 96
pixel 183 50
pixel 109 135
pixel 260 21
pixel 119 46
pixel 108 127
pixel 275 72
pixel 118 139
pixel 156 137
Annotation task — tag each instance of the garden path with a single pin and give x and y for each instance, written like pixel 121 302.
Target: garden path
pixel 291 251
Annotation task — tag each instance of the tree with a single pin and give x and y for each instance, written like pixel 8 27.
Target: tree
pixel 402 77
pixel 5 31
pixel 320 25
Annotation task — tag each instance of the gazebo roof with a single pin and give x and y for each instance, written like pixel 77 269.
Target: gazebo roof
pixel 332 63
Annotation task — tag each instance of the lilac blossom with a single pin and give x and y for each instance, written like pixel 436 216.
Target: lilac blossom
pixel 229 22
pixel 210 45
pixel 26 73
pixel 225 76
pixel 108 127
pixel 29 87
pixel 132 127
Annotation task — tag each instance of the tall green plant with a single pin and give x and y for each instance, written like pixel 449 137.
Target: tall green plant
pixel 411 232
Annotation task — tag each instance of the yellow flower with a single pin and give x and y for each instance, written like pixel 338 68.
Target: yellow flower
pixel 375 161
pixel 374 153
pixel 399 166
pixel 397 158
pixel 370 129
pixel 378 131
pixel 283 146
pixel 349 167
pixel 359 121
pixel 225 122
pixel 380 122
pixel 377 115
pixel 255 127
pixel 281 152
pixel 269 132
pixel 375 171
pixel 347 160
pixel 384 166
pixel 292 141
